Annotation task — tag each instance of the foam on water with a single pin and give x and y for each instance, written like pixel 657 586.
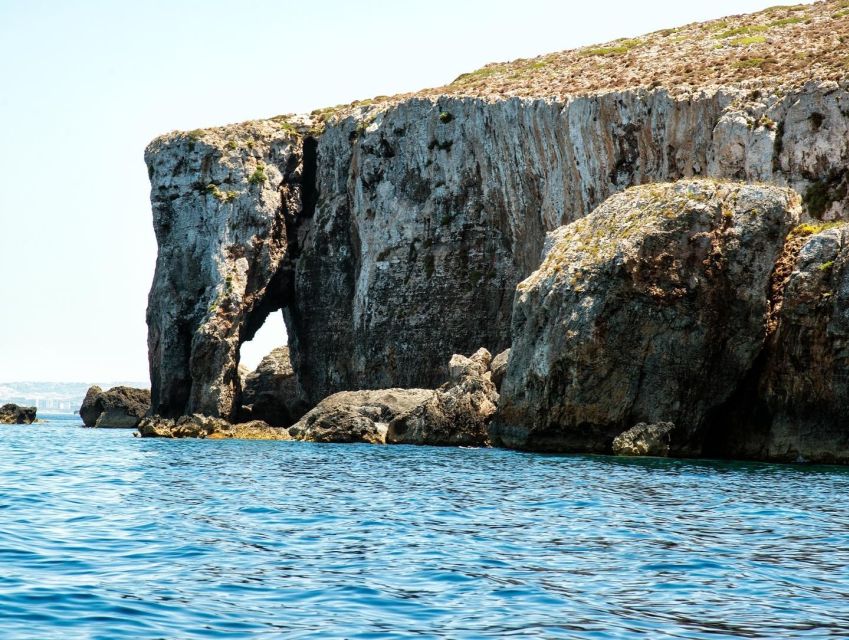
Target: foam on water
pixel 103 535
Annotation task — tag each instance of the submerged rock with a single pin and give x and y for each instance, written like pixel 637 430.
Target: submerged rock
pixel 651 309
pixel 644 440
pixel 15 414
pixel 198 426
pixel 272 392
pixel 119 407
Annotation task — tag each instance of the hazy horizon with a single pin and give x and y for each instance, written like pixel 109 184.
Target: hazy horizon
pixel 93 82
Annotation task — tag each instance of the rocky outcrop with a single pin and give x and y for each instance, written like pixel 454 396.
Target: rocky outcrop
pixel 793 404
pixel 457 414
pixel 15 414
pixel 89 410
pixel 644 440
pixel 272 392
pixel 358 416
pixel 199 426
pixel 651 309
pixel 119 407
pixel 222 200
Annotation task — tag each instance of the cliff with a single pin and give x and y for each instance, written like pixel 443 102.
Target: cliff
pixel 392 233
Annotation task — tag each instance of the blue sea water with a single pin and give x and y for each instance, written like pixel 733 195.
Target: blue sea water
pixel 103 535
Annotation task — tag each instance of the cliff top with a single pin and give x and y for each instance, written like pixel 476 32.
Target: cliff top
pixel 782 46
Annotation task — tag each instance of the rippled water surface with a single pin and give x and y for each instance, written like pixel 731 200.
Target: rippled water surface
pixel 103 535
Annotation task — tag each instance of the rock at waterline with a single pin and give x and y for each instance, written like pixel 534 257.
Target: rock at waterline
pixel 119 407
pixel 456 414
pixel 198 426
pixel 16 414
pixel 272 392
pixel 644 440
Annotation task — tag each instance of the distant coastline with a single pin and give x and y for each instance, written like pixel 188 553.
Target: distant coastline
pixel 53 397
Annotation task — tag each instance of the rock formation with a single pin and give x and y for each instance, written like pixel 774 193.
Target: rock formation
pixel 15 414
pixel 457 414
pixel 644 440
pixel 272 392
pixel 499 368
pixel 793 404
pixel 119 407
pixel 199 426
pixel 392 233
pixel 651 309
pixel 358 416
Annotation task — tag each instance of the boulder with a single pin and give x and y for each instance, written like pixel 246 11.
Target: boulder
pixel 644 440
pixel 16 414
pixel 499 368
pixel 90 410
pixel 272 392
pixel 456 414
pixel 358 416
pixel 198 426
pixel 119 407
pixel 651 309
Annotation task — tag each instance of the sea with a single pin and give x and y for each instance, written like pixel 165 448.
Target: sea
pixel 104 535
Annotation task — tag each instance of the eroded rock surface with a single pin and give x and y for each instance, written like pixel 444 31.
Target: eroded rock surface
pixel 272 392
pixel 644 440
pixel 651 309
pixel 358 416
pixel 15 414
pixel 499 368
pixel 221 202
pixel 456 414
pixel 793 405
pixel 199 426
pixel 119 407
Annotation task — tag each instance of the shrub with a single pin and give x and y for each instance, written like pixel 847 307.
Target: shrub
pixel 258 176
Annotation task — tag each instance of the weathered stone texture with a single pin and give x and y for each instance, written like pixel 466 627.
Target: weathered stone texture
pixel 651 309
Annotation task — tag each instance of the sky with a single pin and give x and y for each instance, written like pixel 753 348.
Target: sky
pixel 87 84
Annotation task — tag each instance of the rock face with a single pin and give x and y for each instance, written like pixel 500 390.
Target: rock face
pixel 644 440
pixel 793 405
pixel 198 426
pixel 396 237
pixel 651 309
pixel 499 368
pixel 16 414
pixel 272 392
pixel 221 202
pixel 119 407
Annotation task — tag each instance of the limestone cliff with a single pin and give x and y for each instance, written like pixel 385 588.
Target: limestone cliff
pixel 393 233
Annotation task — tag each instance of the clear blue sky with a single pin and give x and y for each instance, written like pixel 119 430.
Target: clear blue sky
pixel 87 84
